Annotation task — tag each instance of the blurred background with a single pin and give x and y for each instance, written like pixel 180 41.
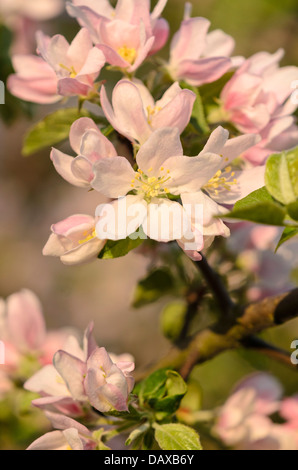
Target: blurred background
pixel 33 196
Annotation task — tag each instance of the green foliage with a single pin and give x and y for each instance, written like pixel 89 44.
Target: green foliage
pixel 282 176
pixel 172 319
pixel 120 248
pixel 155 285
pixel 53 129
pixel 277 203
pixel 162 391
pixel 259 207
pixel 177 437
pixel 288 233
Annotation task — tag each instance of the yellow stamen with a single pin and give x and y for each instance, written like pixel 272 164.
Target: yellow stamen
pixel 88 237
pixel 128 53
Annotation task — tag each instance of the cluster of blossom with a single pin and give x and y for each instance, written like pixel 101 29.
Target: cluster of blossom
pixel 70 379
pixel 256 100
pixel 244 422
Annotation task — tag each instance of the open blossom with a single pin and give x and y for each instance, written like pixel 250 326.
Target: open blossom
pixel 145 115
pixel 71 435
pixel 24 332
pixel 198 57
pixel 74 240
pixel 90 146
pixel 79 377
pixel 163 171
pixel 62 70
pixel 257 99
pixel 245 416
pixel 34 80
pixel 77 65
pixel 126 34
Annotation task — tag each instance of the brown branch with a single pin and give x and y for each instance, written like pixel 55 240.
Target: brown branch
pixel 209 343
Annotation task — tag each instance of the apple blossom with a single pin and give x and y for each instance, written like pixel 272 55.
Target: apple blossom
pixel 34 80
pixel 107 384
pixel 145 115
pixel 71 436
pixel 198 57
pixel 74 240
pixel 24 333
pixel 164 171
pixel 126 34
pixel 245 414
pixel 90 146
pixel 82 376
pixel 77 65
pixel 257 99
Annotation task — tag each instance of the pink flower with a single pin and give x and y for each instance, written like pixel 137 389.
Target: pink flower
pixel 24 333
pixel 80 377
pixel 77 65
pixel 145 115
pixel 244 417
pixel 34 80
pixel 108 385
pixel 127 34
pixel 90 145
pixel 61 383
pixel 257 99
pixel 73 436
pixel 74 240
pixel 164 171
pixel 197 57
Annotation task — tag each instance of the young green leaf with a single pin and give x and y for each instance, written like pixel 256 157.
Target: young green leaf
pixel 259 207
pixel 281 176
pixel 118 249
pixel 288 233
pixel 176 437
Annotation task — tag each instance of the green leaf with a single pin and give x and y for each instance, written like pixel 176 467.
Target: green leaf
pixel 172 319
pixel 258 207
pixel 198 118
pixel 176 437
pixel 53 129
pixel 120 248
pixel 137 434
pixel 163 391
pixel 293 210
pixel 288 233
pixel 281 176
pixel 158 283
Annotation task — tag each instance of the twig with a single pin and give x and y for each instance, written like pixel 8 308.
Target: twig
pixel 218 288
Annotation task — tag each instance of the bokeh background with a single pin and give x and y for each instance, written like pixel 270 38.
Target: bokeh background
pixel 33 196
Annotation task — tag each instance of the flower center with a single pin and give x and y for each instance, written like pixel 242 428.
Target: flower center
pixel 70 70
pixel 221 181
pixel 151 186
pixel 128 53
pixel 88 236
pixel 152 112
